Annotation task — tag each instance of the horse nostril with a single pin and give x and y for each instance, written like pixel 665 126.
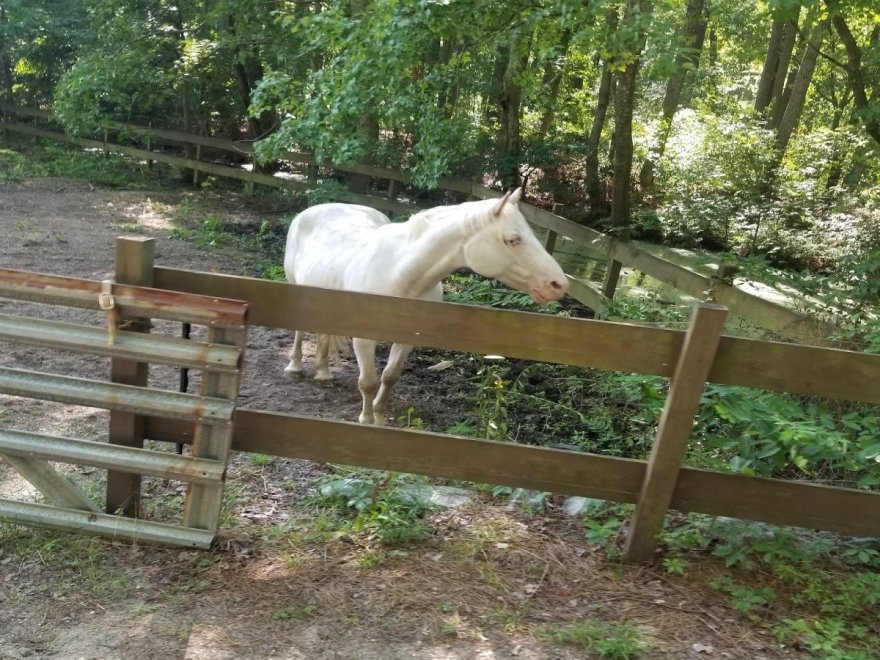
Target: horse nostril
pixel 555 285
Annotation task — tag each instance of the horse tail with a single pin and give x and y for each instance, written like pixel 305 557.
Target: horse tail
pixel 339 347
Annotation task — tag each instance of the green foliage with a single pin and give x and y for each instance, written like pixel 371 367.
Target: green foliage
pixel 329 190
pixel 611 640
pixel 384 509
pixel 295 613
pixel 775 434
pixel 816 592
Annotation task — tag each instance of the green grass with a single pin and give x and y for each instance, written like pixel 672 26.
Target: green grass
pixel 612 640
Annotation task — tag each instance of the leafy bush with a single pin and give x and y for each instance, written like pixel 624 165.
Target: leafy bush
pixel 384 509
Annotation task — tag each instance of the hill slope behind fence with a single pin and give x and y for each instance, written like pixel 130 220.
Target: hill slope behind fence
pixel 776 318
pixel 689 359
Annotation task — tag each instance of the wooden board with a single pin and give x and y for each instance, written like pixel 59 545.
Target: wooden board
pixel 752 498
pixel 778 366
pixel 674 430
pixel 600 344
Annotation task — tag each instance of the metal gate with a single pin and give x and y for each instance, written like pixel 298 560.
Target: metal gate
pixel 124 337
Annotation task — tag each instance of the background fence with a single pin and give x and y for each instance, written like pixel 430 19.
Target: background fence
pixel 776 318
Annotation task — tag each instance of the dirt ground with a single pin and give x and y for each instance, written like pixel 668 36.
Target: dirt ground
pixel 485 585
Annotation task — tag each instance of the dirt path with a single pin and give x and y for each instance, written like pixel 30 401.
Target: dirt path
pixel 489 582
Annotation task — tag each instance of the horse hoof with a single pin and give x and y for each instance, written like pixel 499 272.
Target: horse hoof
pixel 293 372
pixel 323 377
pixel 366 420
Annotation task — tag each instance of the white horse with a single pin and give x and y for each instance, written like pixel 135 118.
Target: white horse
pixel 356 248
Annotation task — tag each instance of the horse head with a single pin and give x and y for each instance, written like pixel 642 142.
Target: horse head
pixel 507 249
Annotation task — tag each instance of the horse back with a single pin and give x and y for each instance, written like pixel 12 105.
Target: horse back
pixel 324 239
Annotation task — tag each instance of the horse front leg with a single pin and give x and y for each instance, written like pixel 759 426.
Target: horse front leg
pixel 295 366
pixel 396 359
pixel 368 383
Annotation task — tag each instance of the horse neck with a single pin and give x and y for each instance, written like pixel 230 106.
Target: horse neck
pixel 435 245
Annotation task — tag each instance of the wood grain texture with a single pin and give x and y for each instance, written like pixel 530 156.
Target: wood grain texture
pixel 674 430
pixel 778 366
pixel 776 501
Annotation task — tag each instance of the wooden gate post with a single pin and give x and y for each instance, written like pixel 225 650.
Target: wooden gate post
pixel 134 265
pixel 674 431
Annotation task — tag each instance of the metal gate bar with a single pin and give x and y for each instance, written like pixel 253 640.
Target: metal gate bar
pixel 98 394
pixel 111 457
pixel 218 357
pixel 131 345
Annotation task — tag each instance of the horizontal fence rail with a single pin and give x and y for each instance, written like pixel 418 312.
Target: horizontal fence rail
pixel 129 345
pixel 111 457
pixel 775 501
pixel 779 366
pixel 91 522
pixel 98 394
pixel 130 300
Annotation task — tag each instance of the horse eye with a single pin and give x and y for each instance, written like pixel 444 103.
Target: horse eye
pixel 513 241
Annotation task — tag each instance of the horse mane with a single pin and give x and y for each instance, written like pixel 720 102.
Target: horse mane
pixel 470 216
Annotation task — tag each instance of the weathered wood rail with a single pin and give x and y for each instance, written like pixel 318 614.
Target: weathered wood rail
pixel 776 318
pixel 689 359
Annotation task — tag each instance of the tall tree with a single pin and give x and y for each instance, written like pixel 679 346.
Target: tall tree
pixel 693 33
pixel 801 85
pixel 636 20
pixel 865 91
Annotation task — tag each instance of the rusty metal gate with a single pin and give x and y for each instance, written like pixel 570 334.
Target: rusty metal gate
pixel 125 314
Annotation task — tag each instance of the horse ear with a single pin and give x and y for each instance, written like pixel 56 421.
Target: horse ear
pixel 511 196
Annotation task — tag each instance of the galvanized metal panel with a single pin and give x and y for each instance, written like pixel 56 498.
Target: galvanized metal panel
pixel 98 394
pixel 204 501
pixel 128 345
pixel 51 484
pixel 103 455
pixel 132 301
pixel 104 524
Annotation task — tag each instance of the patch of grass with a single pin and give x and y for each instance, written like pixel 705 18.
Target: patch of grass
pixel 259 460
pixel 614 640
pixel 295 613
pixel 80 560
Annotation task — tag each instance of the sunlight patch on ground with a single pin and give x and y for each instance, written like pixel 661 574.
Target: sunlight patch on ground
pixel 148 215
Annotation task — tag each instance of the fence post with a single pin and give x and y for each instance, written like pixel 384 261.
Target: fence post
pixel 204 501
pixel 195 171
pixel 134 265
pixel 551 241
pixel 674 431
pixel 612 275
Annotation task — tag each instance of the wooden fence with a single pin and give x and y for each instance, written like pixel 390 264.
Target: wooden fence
pixel 689 359
pixel 776 318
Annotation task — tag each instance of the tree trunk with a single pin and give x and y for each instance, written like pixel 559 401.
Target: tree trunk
pixel 598 204
pixel 6 79
pixel 855 76
pixel 785 83
pixel 789 37
pixel 771 66
pixel 552 81
pixel 713 46
pixel 510 103
pixel 624 102
pixel 801 86
pixel 692 37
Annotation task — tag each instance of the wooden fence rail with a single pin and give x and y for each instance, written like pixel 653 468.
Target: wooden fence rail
pixel 690 359
pixel 776 318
